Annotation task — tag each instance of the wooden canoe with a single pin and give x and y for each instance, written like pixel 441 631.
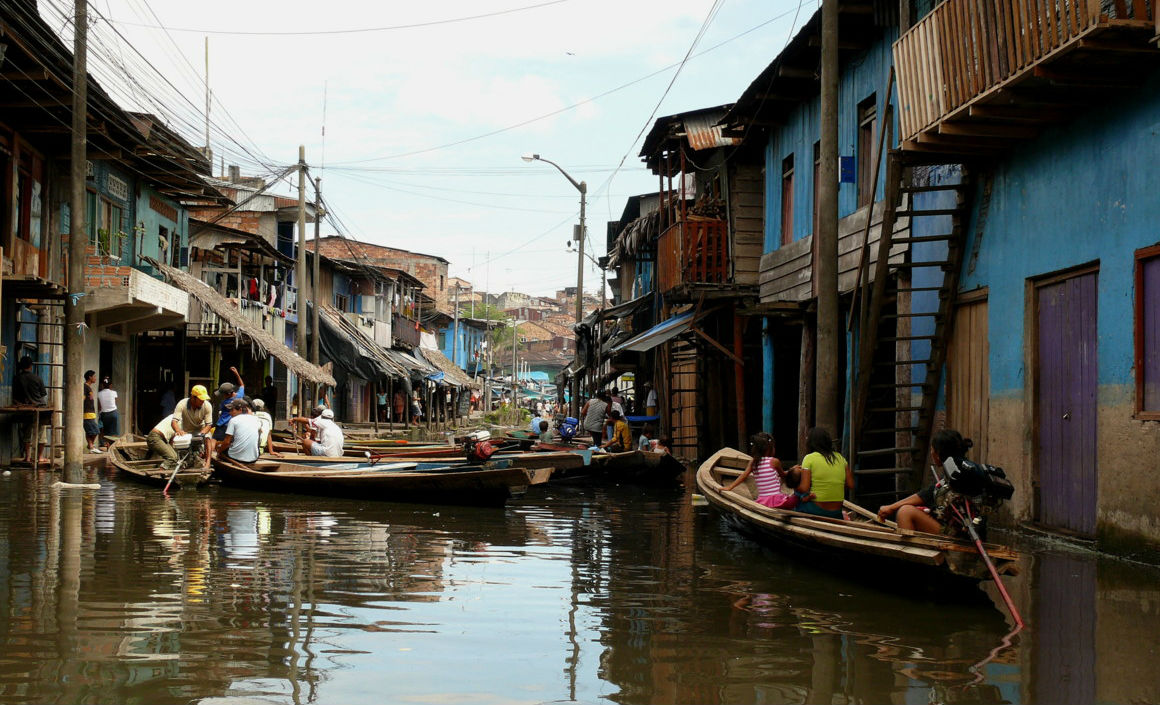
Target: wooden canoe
pixel 899 559
pixel 433 483
pixel 131 460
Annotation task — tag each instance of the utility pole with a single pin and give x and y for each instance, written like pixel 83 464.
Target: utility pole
pixel 826 266
pixel 300 273
pixel 487 351
pixel 315 273
pixel 455 335
pixel 74 305
pixel 583 188
pixel 515 372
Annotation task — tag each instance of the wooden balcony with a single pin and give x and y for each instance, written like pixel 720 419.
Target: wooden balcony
pixel 693 251
pixel 977 76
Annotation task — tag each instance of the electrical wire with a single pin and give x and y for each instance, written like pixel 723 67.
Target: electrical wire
pixel 358 30
pixel 566 108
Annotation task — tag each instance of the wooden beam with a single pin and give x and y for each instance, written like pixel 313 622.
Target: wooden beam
pixel 816 41
pixel 1104 80
pixel 982 129
pixel 845 9
pixel 795 72
pixel 1015 113
pixel 1118 47
pixel 784 97
pixel 33 75
pixel 723 350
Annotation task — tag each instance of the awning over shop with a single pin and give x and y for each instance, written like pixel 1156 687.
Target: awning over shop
pixel 658 334
pixel 352 350
pixel 230 314
pixel 418 369
pixel 627 308
pixel 449 371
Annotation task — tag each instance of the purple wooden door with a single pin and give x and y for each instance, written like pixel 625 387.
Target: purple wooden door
pixel 1067 404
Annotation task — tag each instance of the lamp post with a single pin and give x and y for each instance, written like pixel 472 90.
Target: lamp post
pixel 582 187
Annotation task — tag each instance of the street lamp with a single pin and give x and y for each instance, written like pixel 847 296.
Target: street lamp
pixel 582 187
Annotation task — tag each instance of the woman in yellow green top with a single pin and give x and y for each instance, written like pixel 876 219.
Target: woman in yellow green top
pixel 825 475
pixel 621 436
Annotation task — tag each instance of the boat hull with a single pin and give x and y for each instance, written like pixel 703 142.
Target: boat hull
pixel 388 482
pixel 934 565
pixel 130 460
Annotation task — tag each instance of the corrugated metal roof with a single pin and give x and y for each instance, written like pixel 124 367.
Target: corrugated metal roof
pixel 703 132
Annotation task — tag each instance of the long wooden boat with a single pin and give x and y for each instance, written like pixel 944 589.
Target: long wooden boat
pixel 896 558
pixel 560 462
pixel 130 459
pixel 434 483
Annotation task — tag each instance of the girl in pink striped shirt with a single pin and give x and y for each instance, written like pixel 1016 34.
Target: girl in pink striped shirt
pixel 768 474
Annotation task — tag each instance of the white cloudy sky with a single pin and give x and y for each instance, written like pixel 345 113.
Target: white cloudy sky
pixel 425 124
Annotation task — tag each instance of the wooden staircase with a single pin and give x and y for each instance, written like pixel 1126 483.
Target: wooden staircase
pixel 904 329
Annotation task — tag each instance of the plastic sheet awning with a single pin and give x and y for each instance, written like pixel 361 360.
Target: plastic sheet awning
pixel 658 334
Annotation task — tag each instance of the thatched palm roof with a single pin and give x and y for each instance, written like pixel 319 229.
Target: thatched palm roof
pixel 230 313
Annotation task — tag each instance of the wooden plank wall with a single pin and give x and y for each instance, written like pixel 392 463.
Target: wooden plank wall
pixel 746 221
pixel 787 272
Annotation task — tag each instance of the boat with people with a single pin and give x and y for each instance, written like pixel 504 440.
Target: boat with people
pixel 490 484
pixel 130 458
pixel 873 550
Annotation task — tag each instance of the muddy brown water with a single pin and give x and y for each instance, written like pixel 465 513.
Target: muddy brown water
pixel 591 595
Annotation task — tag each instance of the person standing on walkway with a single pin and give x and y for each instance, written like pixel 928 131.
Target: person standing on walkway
pixel 92 430
pixel 650 404
pixel 109 416
pixel 592 417
pixel 28 390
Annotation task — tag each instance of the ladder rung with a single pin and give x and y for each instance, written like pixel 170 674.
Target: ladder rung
pixel 927 189
pixel 917 265
pixel 49 364
pixel 922 238
pixel 919 288
pixel 900 429
pixel 887 451
pixel 928 314
pixel 900 363
pixel 896 385
pixel 893 409
pixel 884 471
pixel 908 337
pixel 934 211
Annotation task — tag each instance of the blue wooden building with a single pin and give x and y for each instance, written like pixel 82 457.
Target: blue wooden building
pixel 1016 292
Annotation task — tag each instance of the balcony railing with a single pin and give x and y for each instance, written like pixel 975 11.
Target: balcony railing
pixel 405 330
pixel 693 251
pixel 965 50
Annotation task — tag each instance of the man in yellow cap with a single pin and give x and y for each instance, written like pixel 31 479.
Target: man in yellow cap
pixel 194 414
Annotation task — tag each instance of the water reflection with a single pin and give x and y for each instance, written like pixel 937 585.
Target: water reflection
pixel 616 595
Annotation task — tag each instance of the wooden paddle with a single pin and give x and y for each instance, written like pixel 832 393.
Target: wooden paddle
pixel 862 511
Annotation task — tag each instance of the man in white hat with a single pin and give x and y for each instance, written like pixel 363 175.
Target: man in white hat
pixel 327 438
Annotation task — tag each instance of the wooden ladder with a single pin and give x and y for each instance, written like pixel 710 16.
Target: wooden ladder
pixel 908 310
pixel 686 399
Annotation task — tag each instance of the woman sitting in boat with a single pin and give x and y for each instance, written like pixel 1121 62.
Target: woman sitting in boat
pixel 914 512
pixel 825 477
pixel 768 474
pixel 621 436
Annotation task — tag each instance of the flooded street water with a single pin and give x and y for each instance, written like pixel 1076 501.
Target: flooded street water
pixel 622 594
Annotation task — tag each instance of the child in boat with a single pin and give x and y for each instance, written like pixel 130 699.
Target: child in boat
pixel 645 442
pixel 768 474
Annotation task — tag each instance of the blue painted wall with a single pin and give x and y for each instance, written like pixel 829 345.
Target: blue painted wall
pixel 146 233
pixel 860 79
pixel 1081 193
pixel 469 340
